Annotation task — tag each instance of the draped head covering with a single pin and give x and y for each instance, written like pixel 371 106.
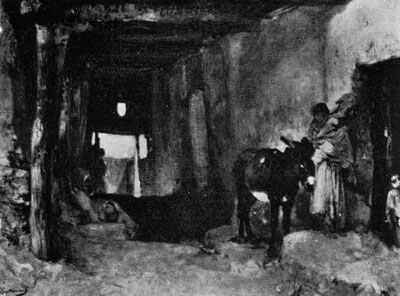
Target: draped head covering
pixel 345 104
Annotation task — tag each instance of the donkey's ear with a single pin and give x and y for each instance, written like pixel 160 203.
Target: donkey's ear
pixel 288 142
pixel 305 140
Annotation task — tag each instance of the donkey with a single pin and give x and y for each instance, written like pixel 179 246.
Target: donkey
pixel 272 176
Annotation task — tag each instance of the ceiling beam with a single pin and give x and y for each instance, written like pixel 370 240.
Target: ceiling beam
pixel 139 10
pixel 153 38
pixel 247 13
pixel 133 62
pixel 100 41
pixel 128 67
pixel 126 47
pixel 131 54
pixel 118 71
pixel 134 55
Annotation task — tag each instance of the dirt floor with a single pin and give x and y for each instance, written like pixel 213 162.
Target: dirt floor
pixel 109 267
pixel 311 265
pixel 102 262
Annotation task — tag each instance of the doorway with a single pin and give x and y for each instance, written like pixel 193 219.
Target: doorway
pixel 377 88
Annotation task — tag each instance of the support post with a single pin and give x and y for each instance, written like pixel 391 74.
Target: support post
pixel 39 193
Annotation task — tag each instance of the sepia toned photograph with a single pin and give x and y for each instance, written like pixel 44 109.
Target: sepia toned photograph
pixel 200 147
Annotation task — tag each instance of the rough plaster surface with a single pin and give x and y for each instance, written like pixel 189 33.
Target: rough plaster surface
pixel 198 135
pixel 365 32
pixel 167 131
pixel 308 55
pixel 173 131
pixel 259 86
pixel 6 111
pixel 281 77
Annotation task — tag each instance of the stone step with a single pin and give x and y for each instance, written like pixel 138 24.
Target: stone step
pixel 104 231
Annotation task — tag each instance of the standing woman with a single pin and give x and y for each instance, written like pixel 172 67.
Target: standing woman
pixel 332 155
pixel 320 113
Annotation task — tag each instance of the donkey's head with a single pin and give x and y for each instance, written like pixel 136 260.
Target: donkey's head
pixel 300 155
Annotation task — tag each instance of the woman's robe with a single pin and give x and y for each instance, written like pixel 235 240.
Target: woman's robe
pixel 333 153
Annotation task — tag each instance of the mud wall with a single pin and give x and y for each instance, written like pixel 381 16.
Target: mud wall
pixel 6 111
pixel 279 78
pixel 360 33
pixel 7 55
pixel 260 86
pixel 173 151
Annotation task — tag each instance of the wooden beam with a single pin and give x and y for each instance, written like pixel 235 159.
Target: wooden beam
pixel 94 44
pixel 176 11
pixel 134 61
pixel 94 11
pixel 39 201
pixel 107 71
pixel 111 62
pixel 119 126
pixel 124 49
pixel 187 31
pixel 153 38
pixel 130 68
pixel 137 55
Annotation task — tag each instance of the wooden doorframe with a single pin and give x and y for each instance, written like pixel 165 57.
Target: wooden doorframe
pixel 50 57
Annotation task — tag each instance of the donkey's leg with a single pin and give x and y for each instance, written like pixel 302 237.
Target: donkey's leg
pixel 247 226
pixel 242 214
pixel 241 238
pixel 287 210
pixel 272 250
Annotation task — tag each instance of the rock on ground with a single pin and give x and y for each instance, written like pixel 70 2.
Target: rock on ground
pixel 359 264
pixel 14 204
pixel 20 271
